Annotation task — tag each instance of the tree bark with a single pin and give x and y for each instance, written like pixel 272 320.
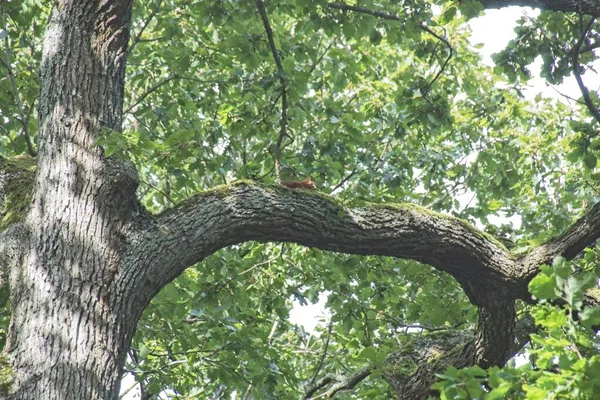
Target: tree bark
pixel 69 328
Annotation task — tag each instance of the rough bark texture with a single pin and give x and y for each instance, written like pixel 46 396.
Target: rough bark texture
pixel 411 371
pixel 69 329
pixel 85 259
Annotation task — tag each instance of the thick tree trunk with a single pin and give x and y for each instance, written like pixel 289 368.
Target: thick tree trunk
pixel 70 330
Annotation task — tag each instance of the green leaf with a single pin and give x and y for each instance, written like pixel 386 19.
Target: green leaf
pixel 544 286
pixel 500 392
pixel 495 205
pixel 590 316
pixel 590 161
pixel 470 8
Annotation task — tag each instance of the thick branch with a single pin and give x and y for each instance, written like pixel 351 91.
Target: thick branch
pixel 495 333
pixel 412 369
pixel 248 211
pixel 336 383
pixel 589 7
pixel 568 244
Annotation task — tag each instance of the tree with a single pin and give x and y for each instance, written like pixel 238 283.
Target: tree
pixel 142 111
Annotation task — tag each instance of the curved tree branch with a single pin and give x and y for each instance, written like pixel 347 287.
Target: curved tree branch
pixel 247 211
pixel 568 244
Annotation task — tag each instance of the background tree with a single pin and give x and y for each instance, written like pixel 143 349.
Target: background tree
pixel 140 111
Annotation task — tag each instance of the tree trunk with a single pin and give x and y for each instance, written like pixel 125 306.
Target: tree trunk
pixel 70 326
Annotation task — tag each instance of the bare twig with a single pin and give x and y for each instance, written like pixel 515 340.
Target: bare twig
pixel 576 67
pixel 260 264
pixel 154 88
pixel 250 387
pixel 344 180
pixel 158 190
pixel 364 10
pixel 314 66
pixel 284 106
pixel 150 91
pixel 566 96
pixel 443 67
pixel 324 355
pixel 137 38
pixel 395 17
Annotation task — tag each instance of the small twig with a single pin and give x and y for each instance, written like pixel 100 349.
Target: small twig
pixel 395 17
pixel 248 391
pixel 592 187
pixel 158 190
pixel 322 360
pixel 260 264
pixel 183 78
pixel 137 38
pixel 346 178
pixel 443 67
pixel 150 91
pixel 381 156
pixel 584 90
pixel 284 106
pixel 566 96
pixel 364 10
pixel 314 66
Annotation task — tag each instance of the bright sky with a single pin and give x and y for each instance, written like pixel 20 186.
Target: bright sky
pixel 495 29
